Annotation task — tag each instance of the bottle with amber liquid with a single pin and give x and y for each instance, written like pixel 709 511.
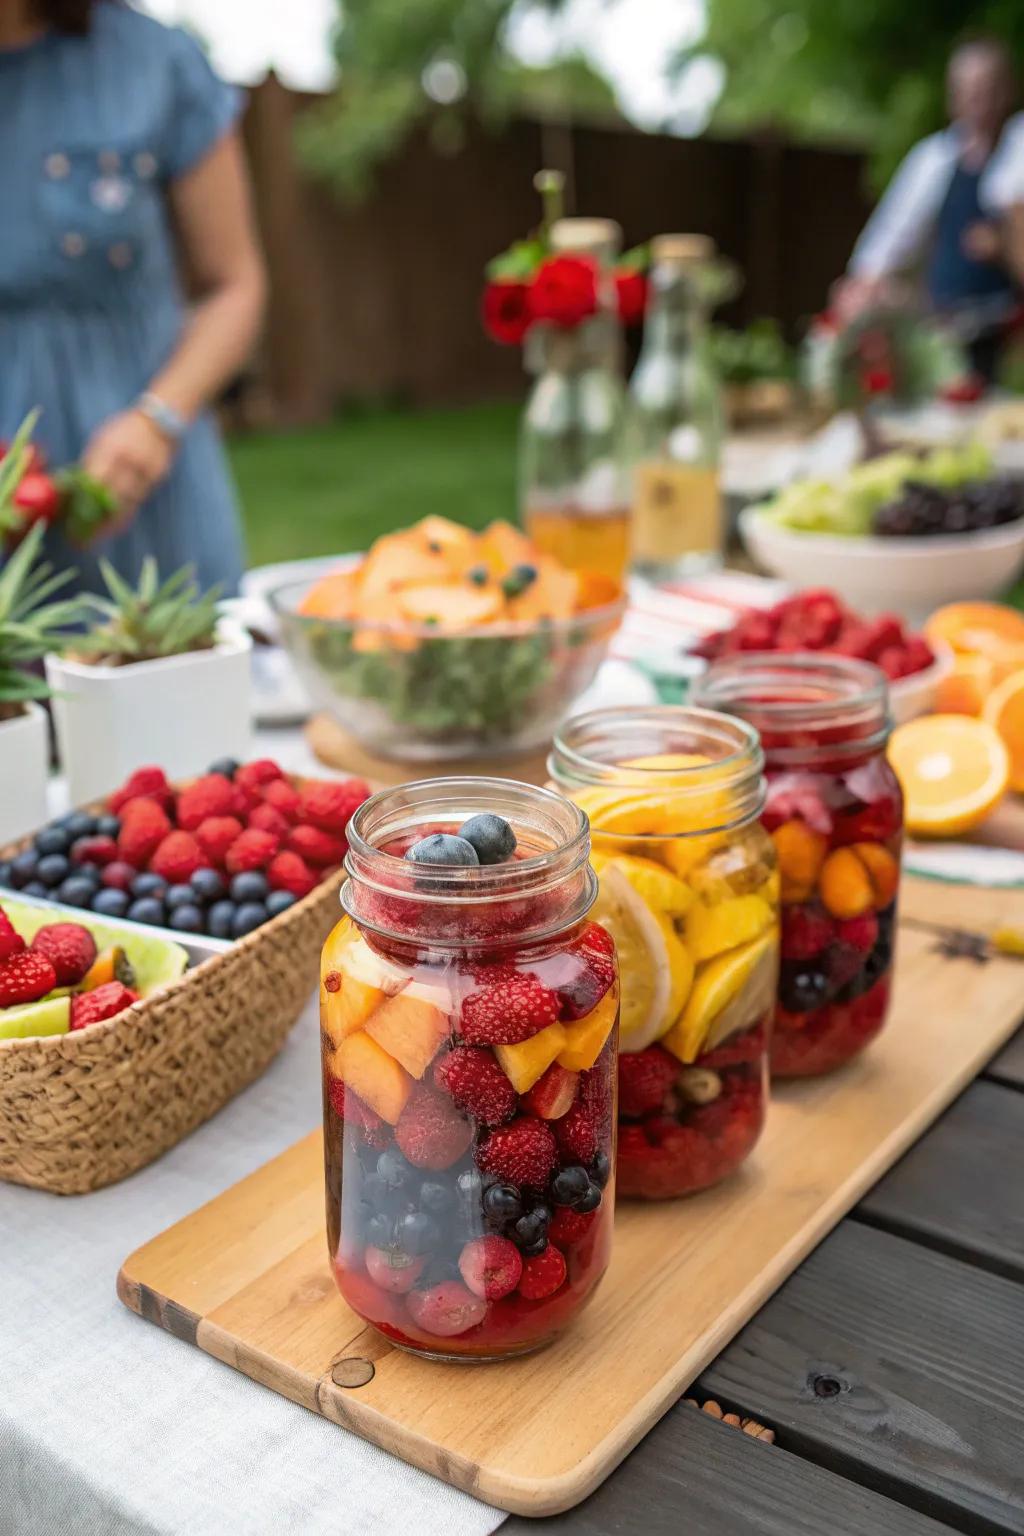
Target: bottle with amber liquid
pixel 675 420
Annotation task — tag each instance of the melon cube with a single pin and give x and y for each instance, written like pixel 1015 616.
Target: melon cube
pixel 410 1029
pixel 371 1073
pixel 585 1039
pixel 523 1064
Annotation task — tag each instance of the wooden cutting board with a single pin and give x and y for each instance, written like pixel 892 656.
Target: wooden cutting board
pixel 246 1277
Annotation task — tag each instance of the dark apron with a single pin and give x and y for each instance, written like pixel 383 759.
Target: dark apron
pixel 958 284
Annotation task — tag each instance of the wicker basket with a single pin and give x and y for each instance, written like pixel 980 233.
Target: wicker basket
pixel 85 1109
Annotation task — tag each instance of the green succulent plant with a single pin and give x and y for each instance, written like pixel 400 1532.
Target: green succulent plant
pixel 151 620
pixel 32 622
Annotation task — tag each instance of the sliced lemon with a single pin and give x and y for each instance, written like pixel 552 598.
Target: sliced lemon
pixel 653 964
pixel 680 972
pixel 654 884
pixel 729 993
pixel 665 761
pixel 712 930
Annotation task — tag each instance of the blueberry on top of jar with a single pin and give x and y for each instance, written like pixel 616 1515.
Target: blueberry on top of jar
pixel 443 848
pixel 491 837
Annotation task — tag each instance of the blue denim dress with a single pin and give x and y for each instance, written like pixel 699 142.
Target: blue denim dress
pixel 93 130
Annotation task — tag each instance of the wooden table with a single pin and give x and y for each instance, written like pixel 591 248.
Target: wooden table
pixel 890 1366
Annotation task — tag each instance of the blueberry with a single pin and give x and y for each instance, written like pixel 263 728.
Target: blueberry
pixel 53 868
pixel 535 1249
pixel 479 575
pixel 570 1185
pixel 110 902
pixel 147 909
pixel 207 885
pixel 372 1191
pixel 225 766
pixel 591 1200
pixel 247 917
pixel 76 891
pixel 518 579
pixel 149 885
pixel 108 826
pixel 35 888
pixel 250 885
pixel 219 919
pixel 801 990
pixel 601 1170
pixel 393 1169
pixel 186 919
pixel 532 1227
pixel 180 896
pixel 52 840
pixel 5 873
pixel 417 1232
pixel 23 867
pixel 91 872
pixel 80 824
pixel 491 836
pixel 503 1202
pixel 442 848
pixel 435 1197
pixel 278 902
pixel 378 1230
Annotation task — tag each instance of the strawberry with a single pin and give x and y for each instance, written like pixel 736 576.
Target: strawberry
pixel 596 951
pixel 150 783
pixel 101 1003
pixel 577 1133
pixel 144 825
pixel 349 1107
pixel 429 1131
pixel 251 849
pixel 287 872
pixel 177 858
pixel 93 850
pixel 522 1153
pixel 645 1077
pixel 568 1226
pixel 632 1143
pixel 11 942
pixel 446 1309
pixel 393 1271
pixel 491 1266
pixel 266 819
pixel 544 1275
pixel 25 978
pixel 859 932
pixel 70 949
pixel 215 836
pixel 806 931
pixel 283 797
pixel 328 804
pixel 254 775
pixel 476 1083
pixel 510 1006
pixel 212 795
pixel 316 847
pixel 553 1095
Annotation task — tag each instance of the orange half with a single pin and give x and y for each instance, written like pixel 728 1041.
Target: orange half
pixel 953 770
pixel 1004 709
pixel 966 686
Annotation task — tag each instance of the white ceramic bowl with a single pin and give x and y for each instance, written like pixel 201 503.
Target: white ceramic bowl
pixel 915 695
pixel 911 577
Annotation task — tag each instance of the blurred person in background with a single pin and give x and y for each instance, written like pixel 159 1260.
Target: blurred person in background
pixel 953 214
pixel 119 154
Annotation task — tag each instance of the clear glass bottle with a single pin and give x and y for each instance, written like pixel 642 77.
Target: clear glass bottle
pixel 469 1028
pixel 675 420
pixel 574 499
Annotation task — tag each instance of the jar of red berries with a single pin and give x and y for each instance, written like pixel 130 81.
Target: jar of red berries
pixel 835 814
pixel 469 1016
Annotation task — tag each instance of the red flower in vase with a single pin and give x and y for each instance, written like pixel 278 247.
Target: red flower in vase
pixel 631 295
pixel 564 290
pixel 505 309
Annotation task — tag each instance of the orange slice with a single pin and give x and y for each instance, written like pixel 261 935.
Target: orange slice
pixel 976 626
pixel 1004 708
pixel 963 691
pixel 953 770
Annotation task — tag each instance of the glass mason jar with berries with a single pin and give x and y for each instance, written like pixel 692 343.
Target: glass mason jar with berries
pixel 468 1025
pixel 835 814
pixel 689 892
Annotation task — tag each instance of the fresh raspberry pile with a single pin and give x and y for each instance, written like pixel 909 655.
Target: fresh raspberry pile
pixel 509 1007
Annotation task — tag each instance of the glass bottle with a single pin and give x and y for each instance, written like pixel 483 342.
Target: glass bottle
pixel 675 420
pixel 573 486
pixel 469 1025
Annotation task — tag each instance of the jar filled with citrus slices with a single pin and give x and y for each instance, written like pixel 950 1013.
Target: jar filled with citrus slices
pixel 688 889
pixel 835 814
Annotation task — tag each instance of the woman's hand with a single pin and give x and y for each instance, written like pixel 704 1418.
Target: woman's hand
pixel 982 242
pixel 130 456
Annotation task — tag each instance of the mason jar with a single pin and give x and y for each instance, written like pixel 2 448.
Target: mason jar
pixel 468 1024
pixel 689 892
pixel 835 815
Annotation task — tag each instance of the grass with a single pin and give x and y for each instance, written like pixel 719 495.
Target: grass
pixel 326 490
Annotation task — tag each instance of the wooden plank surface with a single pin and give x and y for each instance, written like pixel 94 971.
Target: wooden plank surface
pixel 897 1367
pixel 246 1278
pixel 960 1189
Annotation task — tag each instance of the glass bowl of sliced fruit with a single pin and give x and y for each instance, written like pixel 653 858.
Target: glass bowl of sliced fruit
pixel 443 643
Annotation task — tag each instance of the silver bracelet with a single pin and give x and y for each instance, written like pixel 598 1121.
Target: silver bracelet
pixel 163 416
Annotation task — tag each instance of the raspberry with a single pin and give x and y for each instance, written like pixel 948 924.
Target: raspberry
pixel 70 949
pixel 522 1153
pixel 491 1266
pixel 254 775
pixel 118 876
pixel 287 872
pixel 215 836
pixel 25 978
pixel 11 942
pixel 144 825
pixel 266 819
pixel 316 847
pixel 544 1275
pixel 395 1273
pixel 477 1084
pixel 735 1051
pixel 797 796
pixel 446 1309
pixel 632 1142
pixel 212 795
pixel 150 783
pixel 645 1077
pixel 328 804
pixel 568 1226
pixel 510 1007
pixel 251 849
pixel 429 1132
pixel 177 858
pixel 101 1003
pixel 860 932
pixel 283 797
pixel 805 932
pixel 581 995
pixel 577 1133
pixel 93 850
pixel 596 937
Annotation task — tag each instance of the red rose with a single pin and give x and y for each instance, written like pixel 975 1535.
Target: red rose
pixel 877 381
pixel 38 497
pixel 631 295
pixel 564 290
pixel 506 312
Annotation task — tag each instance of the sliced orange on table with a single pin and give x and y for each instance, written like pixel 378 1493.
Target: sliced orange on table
pixel 1004 710
pixel 966 686
pixel 953 769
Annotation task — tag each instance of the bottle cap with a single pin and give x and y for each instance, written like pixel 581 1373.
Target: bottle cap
pixel 586 237
pixel 682 248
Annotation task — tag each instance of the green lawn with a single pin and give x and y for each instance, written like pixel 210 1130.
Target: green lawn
pixel 328 489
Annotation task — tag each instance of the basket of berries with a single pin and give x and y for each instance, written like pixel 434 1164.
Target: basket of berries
pixel 240 869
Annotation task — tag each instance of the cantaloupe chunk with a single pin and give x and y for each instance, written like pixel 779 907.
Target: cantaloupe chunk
pixel 596 590
pixel 455 606
pixel 380 610
pixel 332 597
pixel 370 1072
pixel 409 1029
pixel 354 980
pixel 585 1039
pixel 551 594
pixel 502 546
pixel 458 543
pixel 524 1064
pixel 397 559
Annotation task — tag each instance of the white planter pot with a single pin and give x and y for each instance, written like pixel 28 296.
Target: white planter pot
pixel 24 769
pixel 181 712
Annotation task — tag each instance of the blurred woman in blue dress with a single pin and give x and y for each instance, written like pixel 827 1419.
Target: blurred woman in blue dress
pixel 121 165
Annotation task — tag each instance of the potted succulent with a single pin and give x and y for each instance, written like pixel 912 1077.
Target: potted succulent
pixel 159 677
